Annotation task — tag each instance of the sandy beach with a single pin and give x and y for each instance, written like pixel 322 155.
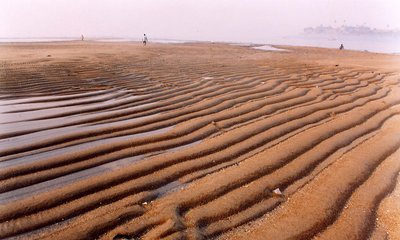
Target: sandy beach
pixel 198 141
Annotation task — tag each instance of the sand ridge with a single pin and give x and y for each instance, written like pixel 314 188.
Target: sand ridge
pixel 188 141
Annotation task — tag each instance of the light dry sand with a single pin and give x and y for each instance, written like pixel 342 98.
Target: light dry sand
pixel 189 141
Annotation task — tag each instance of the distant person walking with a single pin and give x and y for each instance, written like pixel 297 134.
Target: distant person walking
pixel 144 40
pixel 341 47
pixel 82 37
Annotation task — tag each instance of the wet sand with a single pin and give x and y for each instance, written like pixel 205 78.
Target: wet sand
pixel 191 141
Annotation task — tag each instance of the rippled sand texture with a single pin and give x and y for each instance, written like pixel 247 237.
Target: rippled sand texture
pixel 116 140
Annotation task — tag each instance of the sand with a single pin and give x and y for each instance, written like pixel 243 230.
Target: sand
pixel 198 141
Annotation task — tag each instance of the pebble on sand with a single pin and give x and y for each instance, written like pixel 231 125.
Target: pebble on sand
pixel 277 192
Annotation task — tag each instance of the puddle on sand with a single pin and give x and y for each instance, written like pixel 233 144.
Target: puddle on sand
pixel 6 107
pixel 170 187
pixel 175 149
pixel 78 147
pixel 127 161
pixel 33 137
pixel 49 134
pixel 57 182
pixel 94 109
pixel 184 146
pixel 77 176
pixel 270 48
pixel 44 99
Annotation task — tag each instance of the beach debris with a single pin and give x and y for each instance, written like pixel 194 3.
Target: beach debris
pixel 277 192
pixel 144 203
pixel 49 55
pixel 337 65
pixel 274 193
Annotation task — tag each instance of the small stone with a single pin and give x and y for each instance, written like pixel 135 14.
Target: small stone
pixel 277 191
pixel 215 125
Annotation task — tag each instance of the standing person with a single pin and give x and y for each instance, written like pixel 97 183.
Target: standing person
pixel 82 37
pixel 144 40
pixel 341 46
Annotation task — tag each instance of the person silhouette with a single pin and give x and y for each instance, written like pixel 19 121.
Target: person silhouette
pixel 341 47
pixel 144 40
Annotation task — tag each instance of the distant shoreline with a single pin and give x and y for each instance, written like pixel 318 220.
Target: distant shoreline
pixel 294 41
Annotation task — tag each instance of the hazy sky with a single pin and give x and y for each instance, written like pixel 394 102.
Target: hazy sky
pixel 226 20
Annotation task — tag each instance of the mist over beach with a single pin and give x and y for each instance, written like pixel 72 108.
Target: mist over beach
pixel 254 21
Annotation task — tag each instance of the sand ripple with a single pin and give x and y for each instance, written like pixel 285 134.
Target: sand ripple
pixel 189 142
